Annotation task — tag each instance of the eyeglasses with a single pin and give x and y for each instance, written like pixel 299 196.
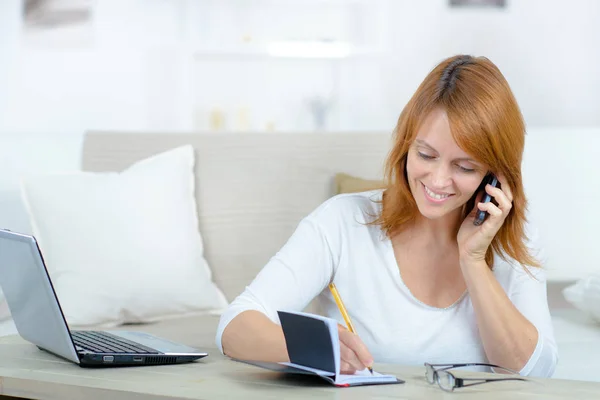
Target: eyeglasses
pixel 448 382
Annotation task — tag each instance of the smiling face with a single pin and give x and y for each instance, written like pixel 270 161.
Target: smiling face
pixel 441 176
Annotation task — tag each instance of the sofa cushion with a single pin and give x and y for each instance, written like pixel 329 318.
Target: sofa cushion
pixel 346 183
pixel 272 182
pixel 124 247
pixel 196 331
pixel 585 295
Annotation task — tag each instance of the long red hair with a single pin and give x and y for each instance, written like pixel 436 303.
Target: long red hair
pixel 486 122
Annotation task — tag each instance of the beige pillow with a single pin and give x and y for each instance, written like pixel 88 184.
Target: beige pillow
pixel 345 183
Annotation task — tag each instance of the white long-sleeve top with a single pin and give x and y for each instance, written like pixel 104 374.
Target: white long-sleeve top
pixel 335 243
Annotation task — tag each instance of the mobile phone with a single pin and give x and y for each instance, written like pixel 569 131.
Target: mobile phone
pixel 482 215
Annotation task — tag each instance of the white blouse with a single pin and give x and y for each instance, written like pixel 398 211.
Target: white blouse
pixel 335 242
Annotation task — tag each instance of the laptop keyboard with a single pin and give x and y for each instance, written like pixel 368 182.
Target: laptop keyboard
pixel 104 342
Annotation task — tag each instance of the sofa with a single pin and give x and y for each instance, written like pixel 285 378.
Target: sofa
pixel 251 190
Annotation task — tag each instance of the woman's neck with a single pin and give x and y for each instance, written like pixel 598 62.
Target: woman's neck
pixel 438 232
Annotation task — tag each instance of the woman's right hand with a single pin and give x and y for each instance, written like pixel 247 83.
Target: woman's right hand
pixel 354 354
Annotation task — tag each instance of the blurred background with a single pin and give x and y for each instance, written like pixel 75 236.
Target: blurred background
pixel 282 66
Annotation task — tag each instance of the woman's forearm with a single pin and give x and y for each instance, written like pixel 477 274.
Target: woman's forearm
pixel 508 338
pixel 253 336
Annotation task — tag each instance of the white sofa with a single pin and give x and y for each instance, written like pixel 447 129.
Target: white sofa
pixel 251 191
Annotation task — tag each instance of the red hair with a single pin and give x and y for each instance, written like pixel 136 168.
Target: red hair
pixel 486 122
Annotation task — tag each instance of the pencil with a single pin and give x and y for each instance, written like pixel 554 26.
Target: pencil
pixel 340 304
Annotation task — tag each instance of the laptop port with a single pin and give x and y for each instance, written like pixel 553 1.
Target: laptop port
pixel 108 359
pixel 138 359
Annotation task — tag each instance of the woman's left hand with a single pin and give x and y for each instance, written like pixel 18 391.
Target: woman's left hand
pixel 473 241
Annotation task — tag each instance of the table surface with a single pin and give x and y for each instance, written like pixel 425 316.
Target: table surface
pixel 26 371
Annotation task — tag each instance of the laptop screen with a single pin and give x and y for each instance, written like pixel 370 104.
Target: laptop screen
pixel 31 297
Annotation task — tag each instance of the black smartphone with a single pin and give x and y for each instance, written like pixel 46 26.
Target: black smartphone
pixel 482 215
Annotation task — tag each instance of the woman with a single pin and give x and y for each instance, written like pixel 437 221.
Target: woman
pixel 421 282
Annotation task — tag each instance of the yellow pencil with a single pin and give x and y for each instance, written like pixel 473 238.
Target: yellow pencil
pixel 340 304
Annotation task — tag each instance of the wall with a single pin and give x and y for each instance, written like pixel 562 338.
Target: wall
pixel 560 174
pixel 139 73
pixel 547 49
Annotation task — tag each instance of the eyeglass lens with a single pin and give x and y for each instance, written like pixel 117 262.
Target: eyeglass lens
pixel 430 374
pixel 445 380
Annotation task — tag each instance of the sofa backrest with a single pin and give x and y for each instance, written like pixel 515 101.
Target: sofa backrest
pixel 252 189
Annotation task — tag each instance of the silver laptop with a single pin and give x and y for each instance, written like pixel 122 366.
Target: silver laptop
pixel 39 318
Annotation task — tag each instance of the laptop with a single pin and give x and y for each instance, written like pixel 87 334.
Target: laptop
pixel 39 319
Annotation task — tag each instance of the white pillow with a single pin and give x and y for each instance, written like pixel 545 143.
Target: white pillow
pixel 4 311
pixel 585 295
pixel 124 247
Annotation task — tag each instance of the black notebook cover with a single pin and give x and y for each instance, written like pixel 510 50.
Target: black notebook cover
pixel 308 341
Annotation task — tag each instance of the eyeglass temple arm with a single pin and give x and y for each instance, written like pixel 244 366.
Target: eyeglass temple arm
pixel 450 366
pixel 460 382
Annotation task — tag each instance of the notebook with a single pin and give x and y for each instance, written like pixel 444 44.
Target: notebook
pixel 313 348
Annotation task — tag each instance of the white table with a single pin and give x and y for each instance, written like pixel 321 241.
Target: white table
pixel 27 372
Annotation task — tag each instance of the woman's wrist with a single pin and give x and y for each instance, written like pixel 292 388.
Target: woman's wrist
pixel 468 264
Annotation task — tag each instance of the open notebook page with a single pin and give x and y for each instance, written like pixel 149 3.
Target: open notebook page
pixel 358 377
pixel 363 376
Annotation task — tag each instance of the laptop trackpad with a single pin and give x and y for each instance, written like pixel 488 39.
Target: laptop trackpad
pixel 157 343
